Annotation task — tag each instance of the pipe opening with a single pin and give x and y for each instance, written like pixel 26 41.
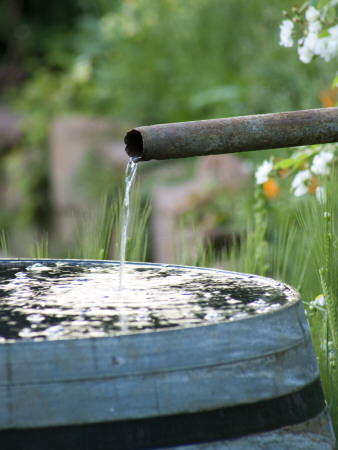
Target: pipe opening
pixel 134 144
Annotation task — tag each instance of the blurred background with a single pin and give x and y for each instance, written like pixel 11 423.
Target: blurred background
pixel 75 76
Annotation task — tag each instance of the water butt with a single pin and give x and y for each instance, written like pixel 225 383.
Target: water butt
pixel 179 357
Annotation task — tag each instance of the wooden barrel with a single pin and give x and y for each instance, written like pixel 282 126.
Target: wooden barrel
pixel 248 383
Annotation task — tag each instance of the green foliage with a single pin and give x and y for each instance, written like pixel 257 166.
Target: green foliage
pixel 299 248
pixel 301 251
pixel 176 60
pixel 318 221
pixel 327 357
pixel 150 62
pixel 171 60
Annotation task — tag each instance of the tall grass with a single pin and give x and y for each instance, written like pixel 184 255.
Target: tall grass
pixel 39 248
pixel 303 253
pixel 94 229
pixel 3 244
pixel 98 232
pixel 319 224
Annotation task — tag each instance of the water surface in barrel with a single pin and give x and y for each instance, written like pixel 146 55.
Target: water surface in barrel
pixel 58 300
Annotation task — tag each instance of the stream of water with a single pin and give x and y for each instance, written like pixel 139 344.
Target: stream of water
pixel 129 178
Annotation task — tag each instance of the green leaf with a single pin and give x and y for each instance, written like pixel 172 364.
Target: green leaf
pixel 331 16
pixel 285 164
pixel 335 81
pixel 323 33
pixel 292 162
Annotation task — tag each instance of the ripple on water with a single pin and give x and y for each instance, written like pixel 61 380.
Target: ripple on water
pixel 60 300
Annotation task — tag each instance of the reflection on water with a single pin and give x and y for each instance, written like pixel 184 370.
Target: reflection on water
pixel 61 300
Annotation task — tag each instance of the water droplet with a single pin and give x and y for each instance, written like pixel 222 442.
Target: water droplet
pixel 239 315
pixel 36 318
pixel 60 264
pixel 54 331
pixel 232 301
pixel 21 275
pixel 37 268
pixel 213 316
pixel 79 322
pixel 260 303
pixel 25 333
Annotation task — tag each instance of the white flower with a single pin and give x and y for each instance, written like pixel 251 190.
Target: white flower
pixel 318 303
pixel 321 163
pixel 333 31
pixel 300 183
pixel 322 49
pixel 326 47
pixel 304 52
pixel 319 300
pixel 286 33
pixel 262 173
pixel 311 42
pixel 333 42
pixel 320 194
pixel 315 27
pixel 312 14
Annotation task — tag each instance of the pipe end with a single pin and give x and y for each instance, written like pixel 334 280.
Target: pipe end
pixel 134 144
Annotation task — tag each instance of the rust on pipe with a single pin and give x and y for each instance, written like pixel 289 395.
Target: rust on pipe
pixel 235 134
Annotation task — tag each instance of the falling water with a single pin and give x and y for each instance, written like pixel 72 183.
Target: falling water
pixel 129 178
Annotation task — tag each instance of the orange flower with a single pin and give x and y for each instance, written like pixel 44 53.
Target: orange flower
pixel 313 185
pixel 271 188
pixel 329 97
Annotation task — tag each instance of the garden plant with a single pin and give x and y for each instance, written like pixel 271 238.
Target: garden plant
pixel 300 249
pixel 313 181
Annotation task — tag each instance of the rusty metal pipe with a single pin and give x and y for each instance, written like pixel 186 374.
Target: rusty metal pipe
pixel 235 134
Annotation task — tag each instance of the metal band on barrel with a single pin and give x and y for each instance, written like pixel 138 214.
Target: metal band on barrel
pixel 165 431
